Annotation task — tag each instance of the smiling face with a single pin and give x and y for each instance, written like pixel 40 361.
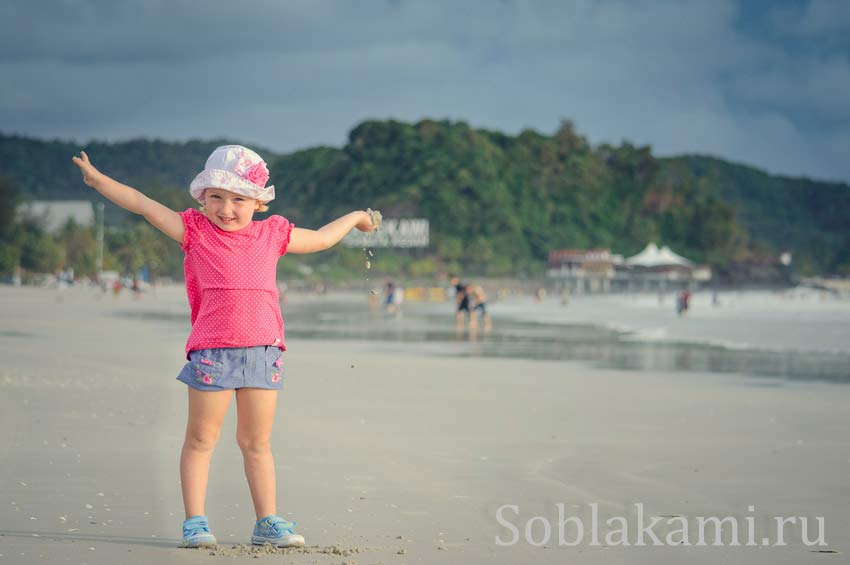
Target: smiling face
pixel 228 210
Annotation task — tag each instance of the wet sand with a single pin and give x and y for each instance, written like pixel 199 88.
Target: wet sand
pixel 391 457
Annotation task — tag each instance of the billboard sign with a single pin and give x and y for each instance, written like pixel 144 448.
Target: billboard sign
pixel 394 232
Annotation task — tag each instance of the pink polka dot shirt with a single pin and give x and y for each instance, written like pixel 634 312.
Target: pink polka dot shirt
pixel 231 282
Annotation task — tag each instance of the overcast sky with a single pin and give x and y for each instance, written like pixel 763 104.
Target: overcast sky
pixel 764 83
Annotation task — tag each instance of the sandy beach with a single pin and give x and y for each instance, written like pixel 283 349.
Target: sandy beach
pixel 387 456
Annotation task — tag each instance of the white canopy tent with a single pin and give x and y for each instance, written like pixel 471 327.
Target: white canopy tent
pixel 652 256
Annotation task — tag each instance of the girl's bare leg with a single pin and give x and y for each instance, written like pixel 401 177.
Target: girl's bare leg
pixel 206 414
pixel 255 418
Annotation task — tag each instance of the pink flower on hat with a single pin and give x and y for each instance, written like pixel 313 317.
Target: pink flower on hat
pixel 258 174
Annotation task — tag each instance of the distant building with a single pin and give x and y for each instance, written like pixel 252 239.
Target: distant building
pixel 55 213
pixel 583 270
pixel 599 270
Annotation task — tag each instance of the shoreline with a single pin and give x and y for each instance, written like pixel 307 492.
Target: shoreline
pixel 636 333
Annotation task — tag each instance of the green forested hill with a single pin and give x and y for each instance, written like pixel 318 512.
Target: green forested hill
pixel 497 203
pixel 811 218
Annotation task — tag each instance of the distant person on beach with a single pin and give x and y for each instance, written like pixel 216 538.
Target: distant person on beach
pixel 394 297
pixel 683 301
pixel 236 340
pixel 461 301
pixel 389 297
pixel 398 299
pixel 137 287
pixel 476 294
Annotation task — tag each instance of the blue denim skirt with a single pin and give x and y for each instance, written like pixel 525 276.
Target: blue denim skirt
pixel 229 368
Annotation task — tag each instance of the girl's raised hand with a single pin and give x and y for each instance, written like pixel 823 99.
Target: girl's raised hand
pixel 85 166
pixel 371 221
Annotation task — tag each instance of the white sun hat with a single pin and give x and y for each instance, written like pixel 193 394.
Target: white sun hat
pixel 237 169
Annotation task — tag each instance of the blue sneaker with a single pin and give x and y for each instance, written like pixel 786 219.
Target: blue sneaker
pixel 196 533
pixel 277 531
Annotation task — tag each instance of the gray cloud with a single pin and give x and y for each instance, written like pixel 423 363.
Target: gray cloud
pixel 814 18
pixel 682 76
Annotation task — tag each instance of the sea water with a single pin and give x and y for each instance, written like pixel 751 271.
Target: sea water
pixel 796 334
pixel 799 334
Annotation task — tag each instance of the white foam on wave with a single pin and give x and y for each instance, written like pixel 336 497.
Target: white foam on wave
pixel 797 321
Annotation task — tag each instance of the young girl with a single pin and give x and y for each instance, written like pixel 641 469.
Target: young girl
pixel 237 337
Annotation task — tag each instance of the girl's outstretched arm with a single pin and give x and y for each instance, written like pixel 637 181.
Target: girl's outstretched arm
pixel 310 241
pixel 163 218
